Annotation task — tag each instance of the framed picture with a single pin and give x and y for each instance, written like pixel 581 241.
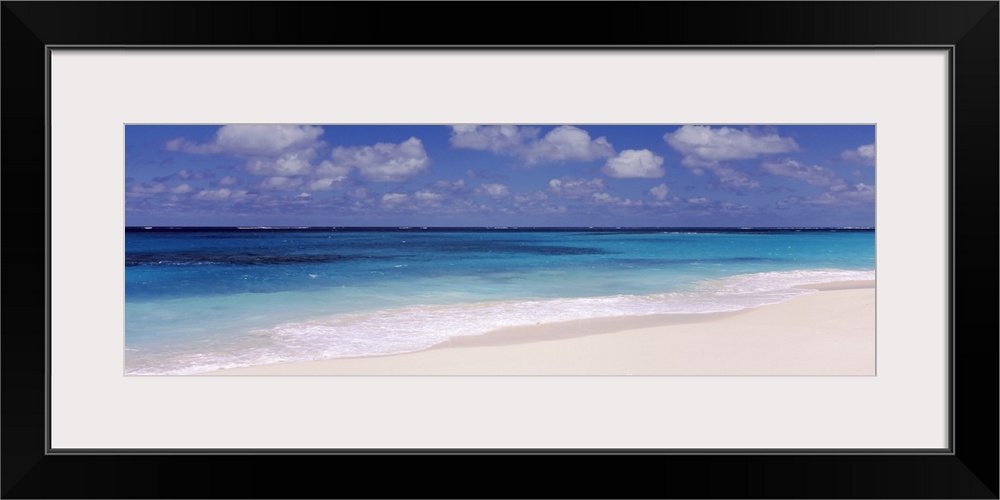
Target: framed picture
pixel 822 101
pixel 500 250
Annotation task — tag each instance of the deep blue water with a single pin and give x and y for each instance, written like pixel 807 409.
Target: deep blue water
pixel 199 299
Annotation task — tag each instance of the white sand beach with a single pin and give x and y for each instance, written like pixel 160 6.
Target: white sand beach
pixel 829 332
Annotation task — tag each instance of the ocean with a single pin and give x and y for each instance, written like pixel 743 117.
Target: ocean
pixel 203 299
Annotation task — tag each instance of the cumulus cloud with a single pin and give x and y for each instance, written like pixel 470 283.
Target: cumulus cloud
pixel 536 197
pixel 265 139
pixel 270 150
pixel 182 189
pixel 632 163
pixel 297 163
pixel 428 196
pixel 734 208
pixel 568 187
pixel 659 192
pixel 182 144
pixel 562 144
pixel 144 189
pixel 705 146
pixel 815 174
pixel 214 194
pixel 328 169
pixel 606 198
pixel 384 162
pixel 840 195
pixel 503 139
pixel 568 143
pixel 226 181
pixel 706 149
pixel 863 154
pixel 731 178
pixel 494 190
pixel 459 184
pixel 252 140
pixel 393 199
pixel 324 184
pixel 280 183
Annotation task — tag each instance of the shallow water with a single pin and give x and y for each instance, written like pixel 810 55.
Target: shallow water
pixel 201 300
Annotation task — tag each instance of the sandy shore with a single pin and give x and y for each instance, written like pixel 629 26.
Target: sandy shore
pixel 831 332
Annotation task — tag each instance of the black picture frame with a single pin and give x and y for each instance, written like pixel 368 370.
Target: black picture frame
pixel 968 470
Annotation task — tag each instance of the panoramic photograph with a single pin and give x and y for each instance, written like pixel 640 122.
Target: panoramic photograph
pixel 499 250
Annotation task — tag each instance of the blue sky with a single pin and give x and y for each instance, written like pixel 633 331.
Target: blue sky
pixel 500 175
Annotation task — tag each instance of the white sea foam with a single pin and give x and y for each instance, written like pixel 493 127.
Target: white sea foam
pixel 412 328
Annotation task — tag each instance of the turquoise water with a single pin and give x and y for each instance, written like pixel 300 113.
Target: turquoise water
pixel 201 299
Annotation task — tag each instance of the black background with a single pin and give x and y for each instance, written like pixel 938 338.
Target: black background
pixel 971 472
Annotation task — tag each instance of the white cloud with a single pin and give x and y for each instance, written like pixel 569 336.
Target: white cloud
pixel 562 144
pixel 494 190
pixel 329 170
pixel 297 163
pixel 815 174
pixel 303 195
pixel 568 187
pixel 615 200
pixel 734 179
pixel 428 196
pixel 143 190
pixel 213 194
pixel 253 140
pixel 226 181
pixel 840 195
pixel 324 184
pixel 568 143
pixel 659 192
pixel 180 144
pixel 182 189
pixel 535 197
pixel 504 139
pixel 451 185
pixel 271 150
pixel 863 154
pixel 384 162
pixel 706 146
pixel 633 163
pixel 265 139
pixel 280 183
pixel 327 176
pixel 187 174
pixel 734 208
pixel 698 201
pixel 393 199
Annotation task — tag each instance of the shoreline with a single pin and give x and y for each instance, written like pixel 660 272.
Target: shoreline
pixel 829 332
